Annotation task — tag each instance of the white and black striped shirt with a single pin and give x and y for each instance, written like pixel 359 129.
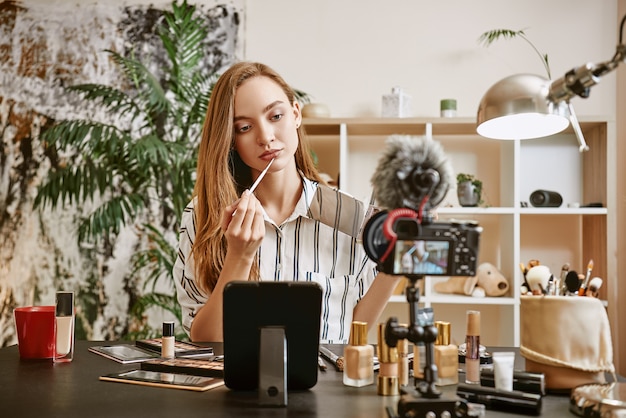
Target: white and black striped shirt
pixel 301 248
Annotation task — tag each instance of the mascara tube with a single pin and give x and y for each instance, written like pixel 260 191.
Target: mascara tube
pixel 502 400
pixel 472 347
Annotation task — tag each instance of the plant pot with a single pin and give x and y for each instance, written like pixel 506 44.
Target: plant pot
pixel 468 194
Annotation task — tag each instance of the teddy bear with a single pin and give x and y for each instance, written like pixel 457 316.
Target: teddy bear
pixel 488 281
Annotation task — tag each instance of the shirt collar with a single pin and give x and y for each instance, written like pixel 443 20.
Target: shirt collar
pixel 302 207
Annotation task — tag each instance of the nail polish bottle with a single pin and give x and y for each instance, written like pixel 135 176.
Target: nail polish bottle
pixel 446 356
pixel 167 340
pixel 472 348
pixel 358 369
pixel 387 383
pixel 64 328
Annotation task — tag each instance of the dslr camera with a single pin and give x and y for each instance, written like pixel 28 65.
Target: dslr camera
pixel 412 177
pixel 401 244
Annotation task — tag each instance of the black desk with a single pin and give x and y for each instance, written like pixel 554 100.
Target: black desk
pixel 43 389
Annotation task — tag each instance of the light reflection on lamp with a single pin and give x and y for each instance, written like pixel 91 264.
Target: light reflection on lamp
pixel 525 106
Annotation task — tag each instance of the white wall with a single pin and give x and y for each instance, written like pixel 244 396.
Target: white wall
pixel 348 53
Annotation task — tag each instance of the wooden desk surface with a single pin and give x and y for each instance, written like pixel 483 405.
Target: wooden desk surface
pixel 40 388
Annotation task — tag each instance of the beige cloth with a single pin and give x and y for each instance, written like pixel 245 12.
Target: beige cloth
pixel 566 337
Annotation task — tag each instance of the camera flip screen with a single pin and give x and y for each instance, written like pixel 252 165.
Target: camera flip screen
pixel 427 257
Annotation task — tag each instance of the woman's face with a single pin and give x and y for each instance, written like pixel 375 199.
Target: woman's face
pixel 265 124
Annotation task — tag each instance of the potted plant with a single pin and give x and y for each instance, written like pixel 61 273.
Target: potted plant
pixel 469 190
pixel 139 170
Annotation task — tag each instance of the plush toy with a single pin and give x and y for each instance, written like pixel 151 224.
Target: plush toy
pixel 487 282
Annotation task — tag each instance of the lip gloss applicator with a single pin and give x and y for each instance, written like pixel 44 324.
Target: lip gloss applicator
pixel 263 173
pixel 472 348
pixel 258 179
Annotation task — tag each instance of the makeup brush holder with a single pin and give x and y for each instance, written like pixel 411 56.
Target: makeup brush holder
pixel 567 338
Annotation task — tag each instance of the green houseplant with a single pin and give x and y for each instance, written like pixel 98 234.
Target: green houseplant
pixel 469 190
pixel 135 170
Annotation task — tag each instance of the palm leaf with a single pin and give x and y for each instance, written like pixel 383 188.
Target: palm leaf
pixel 158 258
pixel 150 93
pixel 149 150
pixel 110 216
pixel 182 39
pixel 489 37
pixel 161 300
pixel 73 183
pixel 88 137
pixel 112 99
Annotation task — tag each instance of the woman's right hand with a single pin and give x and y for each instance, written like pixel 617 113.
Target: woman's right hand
pixel 243 225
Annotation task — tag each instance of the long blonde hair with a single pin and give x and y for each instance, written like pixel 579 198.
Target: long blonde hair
pixel 222 176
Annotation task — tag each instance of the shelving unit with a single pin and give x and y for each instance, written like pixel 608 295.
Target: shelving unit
pixel 349 149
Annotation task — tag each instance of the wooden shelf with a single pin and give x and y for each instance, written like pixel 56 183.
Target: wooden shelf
pixel 512 234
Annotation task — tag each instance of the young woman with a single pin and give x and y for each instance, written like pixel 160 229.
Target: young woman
pixel 228 233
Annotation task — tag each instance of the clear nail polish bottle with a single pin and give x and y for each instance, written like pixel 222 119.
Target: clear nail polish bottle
pixel 64 327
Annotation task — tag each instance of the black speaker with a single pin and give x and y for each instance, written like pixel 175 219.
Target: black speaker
pixel 545 199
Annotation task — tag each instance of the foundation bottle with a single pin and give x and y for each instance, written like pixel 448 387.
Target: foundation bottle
pixel 387 383
pixel 446 356
pixel 358 369
pixel 64 327
pixel 167 340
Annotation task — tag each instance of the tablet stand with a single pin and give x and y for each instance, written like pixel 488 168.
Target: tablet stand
pixel 273 367
pixel 424 398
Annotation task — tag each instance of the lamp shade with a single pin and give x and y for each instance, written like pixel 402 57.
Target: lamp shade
pixel 518 107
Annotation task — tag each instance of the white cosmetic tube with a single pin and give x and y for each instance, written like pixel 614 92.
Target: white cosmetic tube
pixel 503 364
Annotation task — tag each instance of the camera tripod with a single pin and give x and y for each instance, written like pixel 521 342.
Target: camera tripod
pixel 424 397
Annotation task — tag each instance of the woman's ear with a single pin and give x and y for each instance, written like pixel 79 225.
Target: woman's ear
pixel 297 112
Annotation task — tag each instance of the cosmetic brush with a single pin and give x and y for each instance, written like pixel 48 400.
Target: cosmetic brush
pixel 258 180
pixel 572 283
pixel 583 287
pixel 564 270
pixel 336 360
pixel 263 173
pixel 524 271
pixel 594 285
pixel 538 278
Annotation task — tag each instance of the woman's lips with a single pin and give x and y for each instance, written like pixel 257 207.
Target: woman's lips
pixel 268 155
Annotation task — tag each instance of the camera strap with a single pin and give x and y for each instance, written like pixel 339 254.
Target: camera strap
pixel 388 230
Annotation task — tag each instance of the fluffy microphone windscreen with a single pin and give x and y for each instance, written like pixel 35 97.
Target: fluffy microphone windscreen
pixel 410 168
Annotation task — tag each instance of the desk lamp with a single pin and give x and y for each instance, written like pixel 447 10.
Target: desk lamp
pixel 525 106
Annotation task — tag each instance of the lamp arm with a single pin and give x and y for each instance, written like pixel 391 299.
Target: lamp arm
pixel 577 130
pixel 577 81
